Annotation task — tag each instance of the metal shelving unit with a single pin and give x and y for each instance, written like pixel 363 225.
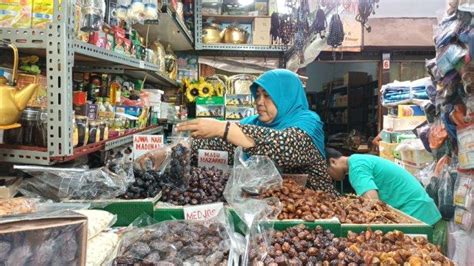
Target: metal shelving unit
pixel 170 29
pixel 270 50
pixel 63 53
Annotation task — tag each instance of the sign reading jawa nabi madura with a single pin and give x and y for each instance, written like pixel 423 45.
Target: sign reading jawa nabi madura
pixel 145 143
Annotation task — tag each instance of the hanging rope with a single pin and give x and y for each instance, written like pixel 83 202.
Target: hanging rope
pixel 319 23
pixel 336 31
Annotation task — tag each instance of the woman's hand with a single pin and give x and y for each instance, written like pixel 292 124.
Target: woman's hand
pixel 203 128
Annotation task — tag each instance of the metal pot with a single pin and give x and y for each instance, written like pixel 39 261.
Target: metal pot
pixel 211 33
pixel 234 34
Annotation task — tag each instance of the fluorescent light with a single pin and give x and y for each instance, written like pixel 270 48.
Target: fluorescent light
pixel 246 2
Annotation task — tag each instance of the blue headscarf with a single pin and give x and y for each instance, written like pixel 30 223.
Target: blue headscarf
pixel 287 93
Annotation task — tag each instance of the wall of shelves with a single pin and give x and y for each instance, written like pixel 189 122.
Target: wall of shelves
pixel 64 54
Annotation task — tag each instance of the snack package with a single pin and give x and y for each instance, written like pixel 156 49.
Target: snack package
pixel 438 134
pixel 177 242
pixel 15 206
pixel 151 10
pixel 466 147
pixel 463 192
pixel 74 183
pixel 15 13
pixel 100 249
pixel 463 218
pixel 97 221
pixel 42 13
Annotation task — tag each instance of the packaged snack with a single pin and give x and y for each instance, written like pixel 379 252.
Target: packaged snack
pixel 15 13
pixel 42 13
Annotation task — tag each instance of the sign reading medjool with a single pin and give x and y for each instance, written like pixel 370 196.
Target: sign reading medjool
pixel 209 158
pixel 145 143
pixel 202 212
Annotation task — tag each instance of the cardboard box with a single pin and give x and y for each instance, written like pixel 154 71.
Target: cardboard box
pixel 410 110
pixel 58 238
pixel 9 187
pixel 394 136
pixel 391 123
pixel 353 79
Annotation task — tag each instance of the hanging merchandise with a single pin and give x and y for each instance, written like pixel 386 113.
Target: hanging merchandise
pixel 336 32
pixel 171 65
pixel 319 24
pixel 151 10
pixel 286 31
pixel 136 11
pixel 302 28
pixel 275 27
pixel 122 9
pixel 365 9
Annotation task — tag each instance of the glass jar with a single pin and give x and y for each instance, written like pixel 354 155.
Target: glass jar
pixel 42 129
pixel 94 132
pixel 83 130
pixel 29 126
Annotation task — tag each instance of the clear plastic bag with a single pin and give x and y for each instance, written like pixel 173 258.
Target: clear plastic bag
pixel 248 180
pixel 136 12
pixel 180 242
pixel 122 9
pixel 60 184
pixel 445 193
pixel 426 174
pixel 16 206
pixel 172 162
pixel 463 243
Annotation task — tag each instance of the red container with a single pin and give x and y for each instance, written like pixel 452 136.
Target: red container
pixel 79 98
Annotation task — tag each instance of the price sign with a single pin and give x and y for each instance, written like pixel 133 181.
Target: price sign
pixel 209 158
pixel 145 143
pixel 202 212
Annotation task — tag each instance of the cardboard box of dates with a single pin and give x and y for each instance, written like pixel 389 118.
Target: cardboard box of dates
pixel 47 239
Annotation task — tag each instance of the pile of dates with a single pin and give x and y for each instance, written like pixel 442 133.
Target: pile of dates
pixel 392 248
pixel 146 185
pixel 298 246
pixel 302 246
pixel 206 185
pixel 148 179
pixel 175 243
pixel 302 203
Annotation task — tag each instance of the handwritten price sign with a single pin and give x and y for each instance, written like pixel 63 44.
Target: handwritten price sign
pixel 202 212
pixel 145 143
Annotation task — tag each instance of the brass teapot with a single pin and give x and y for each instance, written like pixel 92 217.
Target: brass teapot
pixel 13 101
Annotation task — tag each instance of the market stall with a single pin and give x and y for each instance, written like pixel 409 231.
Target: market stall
pixel 170 133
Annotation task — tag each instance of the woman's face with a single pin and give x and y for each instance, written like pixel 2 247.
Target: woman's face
pixel 266 109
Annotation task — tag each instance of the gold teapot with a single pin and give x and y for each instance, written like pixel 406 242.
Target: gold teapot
pixel 234 34
pixel 13 101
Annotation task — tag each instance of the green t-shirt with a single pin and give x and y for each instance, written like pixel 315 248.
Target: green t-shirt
pixel 395 186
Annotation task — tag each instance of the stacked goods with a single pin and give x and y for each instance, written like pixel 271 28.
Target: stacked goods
pixel 299 202
pixel 301 246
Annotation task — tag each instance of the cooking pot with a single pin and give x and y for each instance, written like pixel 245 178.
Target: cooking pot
pixel 212 33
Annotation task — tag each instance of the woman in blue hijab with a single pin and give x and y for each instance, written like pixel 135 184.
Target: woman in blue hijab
pixel 284 129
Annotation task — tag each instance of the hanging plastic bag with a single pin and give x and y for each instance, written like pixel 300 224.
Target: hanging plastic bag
pixel 151 10
pixel 445 193
pixel 179 242
pixel 463 242
pixel 438 134
pixel 136 12
pixel 448 57
pixel 426 174
pixel 60 184
pixel 122 9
